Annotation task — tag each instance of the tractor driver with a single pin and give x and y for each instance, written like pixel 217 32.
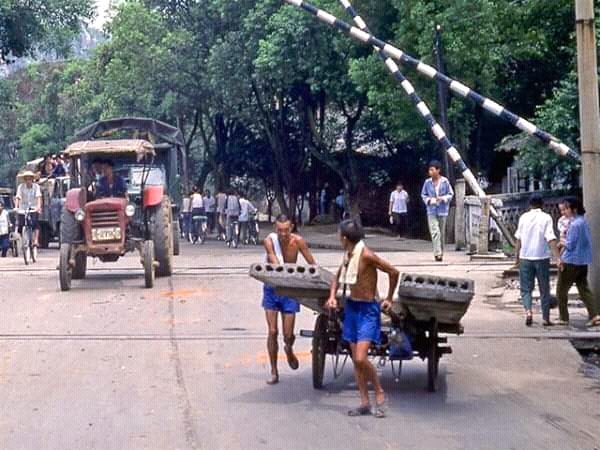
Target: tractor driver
pixel 110 184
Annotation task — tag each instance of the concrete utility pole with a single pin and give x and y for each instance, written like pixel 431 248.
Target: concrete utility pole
pixel 589 118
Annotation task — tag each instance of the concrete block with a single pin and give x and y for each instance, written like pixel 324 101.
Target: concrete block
pixel 429 296
pixel 309 284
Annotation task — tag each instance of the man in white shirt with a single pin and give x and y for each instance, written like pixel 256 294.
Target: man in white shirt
pixel 197 207
pixel 246 208
pixel 398 209
pixel 29 198
pixel 535 241
pixel 186 215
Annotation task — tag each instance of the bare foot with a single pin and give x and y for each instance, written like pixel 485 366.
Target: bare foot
pixel 274 379
pixel 291 358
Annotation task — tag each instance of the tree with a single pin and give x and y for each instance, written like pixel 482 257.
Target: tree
pixel 48 24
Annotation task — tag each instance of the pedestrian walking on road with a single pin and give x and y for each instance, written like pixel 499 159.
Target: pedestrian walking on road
pixel 398 209
pixel 221 199
pixel 437 194
pixel 536 242
pixel 246 210
pixel 362 322
pixel 186 215
pixel 210 208
pixel 575 257
pixel 4 230
pixel 282 246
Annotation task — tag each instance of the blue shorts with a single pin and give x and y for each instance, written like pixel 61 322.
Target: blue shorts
pixel 276 302
pixel 362 321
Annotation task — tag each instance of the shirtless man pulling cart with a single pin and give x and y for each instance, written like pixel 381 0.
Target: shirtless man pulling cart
pixel 281 247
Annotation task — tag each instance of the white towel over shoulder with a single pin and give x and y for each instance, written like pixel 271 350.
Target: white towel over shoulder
pixel 276 248
pixel 349 268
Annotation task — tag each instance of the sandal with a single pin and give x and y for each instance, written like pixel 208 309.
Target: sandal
pixel 380 409
pixel 291 358
pixel 360 411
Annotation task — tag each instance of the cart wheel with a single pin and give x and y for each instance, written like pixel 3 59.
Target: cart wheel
pixel 319 342
pixel 149 263
pixel 433 357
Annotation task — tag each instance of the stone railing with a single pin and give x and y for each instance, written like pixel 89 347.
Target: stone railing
pixel 510 207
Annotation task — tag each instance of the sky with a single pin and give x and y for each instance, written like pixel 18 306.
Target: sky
pixel 101 11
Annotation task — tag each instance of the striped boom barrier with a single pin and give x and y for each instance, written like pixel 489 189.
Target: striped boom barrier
pixel 456 86
pixel 436 130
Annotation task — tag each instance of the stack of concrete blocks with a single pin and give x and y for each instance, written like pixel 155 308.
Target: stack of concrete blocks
pixel 309 284
pixel 429 296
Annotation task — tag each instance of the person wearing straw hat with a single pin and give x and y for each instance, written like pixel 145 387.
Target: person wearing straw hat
pixel 29 197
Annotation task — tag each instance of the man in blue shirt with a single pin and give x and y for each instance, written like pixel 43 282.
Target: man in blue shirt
pixel 437 194
pixel 110 184
pixel 574 260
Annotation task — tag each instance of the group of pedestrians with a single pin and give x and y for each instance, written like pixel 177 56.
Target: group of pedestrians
pixel 537 244
pixel 221 212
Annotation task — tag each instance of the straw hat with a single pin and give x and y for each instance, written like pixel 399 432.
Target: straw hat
pixel 28 173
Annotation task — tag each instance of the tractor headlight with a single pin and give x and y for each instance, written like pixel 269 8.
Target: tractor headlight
pixel 130 210
pixel 79 215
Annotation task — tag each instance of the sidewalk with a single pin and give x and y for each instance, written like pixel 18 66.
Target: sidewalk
pixel 378 239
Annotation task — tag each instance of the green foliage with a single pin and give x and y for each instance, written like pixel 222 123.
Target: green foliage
pixel 262 89
pixel 47 25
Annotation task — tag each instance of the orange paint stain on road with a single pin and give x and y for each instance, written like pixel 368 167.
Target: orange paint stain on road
pixel 262 358
pixel 186 293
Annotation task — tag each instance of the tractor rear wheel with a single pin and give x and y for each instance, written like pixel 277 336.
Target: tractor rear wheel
pixel 162 235
pixel 65 272
pixel 80 266
pixel 148 260
pixel 176 234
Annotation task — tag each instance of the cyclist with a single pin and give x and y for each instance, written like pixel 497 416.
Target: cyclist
pixel 197 207
pixel 246 209
pixel 29 197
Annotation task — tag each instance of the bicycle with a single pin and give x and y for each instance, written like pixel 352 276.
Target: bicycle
pixel 253 230
pixel 29 250
pixel 233 232
pixel 199 228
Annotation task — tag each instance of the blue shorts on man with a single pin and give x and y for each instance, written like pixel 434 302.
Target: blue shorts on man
pixel 362 321
pixel 281 303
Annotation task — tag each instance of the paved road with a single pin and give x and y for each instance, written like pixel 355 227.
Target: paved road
pixel 183 366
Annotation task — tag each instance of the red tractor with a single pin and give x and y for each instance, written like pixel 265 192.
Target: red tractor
pixel 108 226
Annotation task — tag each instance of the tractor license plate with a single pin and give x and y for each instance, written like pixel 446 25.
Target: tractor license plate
pixel 106 234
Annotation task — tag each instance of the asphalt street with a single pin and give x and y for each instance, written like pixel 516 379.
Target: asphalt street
pixel 110 364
